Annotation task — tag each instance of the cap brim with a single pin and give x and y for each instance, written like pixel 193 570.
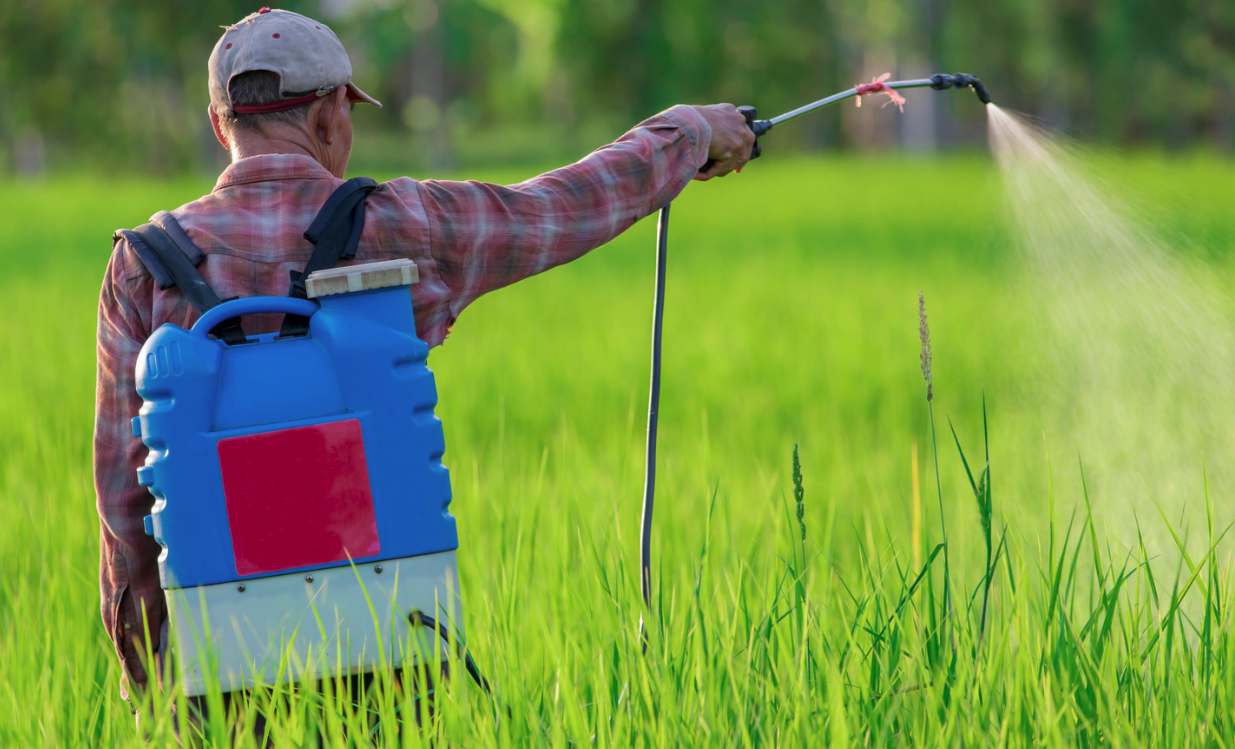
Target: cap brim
pixel 355 94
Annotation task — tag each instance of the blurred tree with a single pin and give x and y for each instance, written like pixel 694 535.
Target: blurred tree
pixel 105 83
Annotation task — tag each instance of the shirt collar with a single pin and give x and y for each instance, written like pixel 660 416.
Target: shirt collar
pixel 272 166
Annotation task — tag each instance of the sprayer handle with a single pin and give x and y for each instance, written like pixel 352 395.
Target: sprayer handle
pixel 758 127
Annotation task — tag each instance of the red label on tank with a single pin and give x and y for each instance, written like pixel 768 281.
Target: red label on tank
pixel 298 497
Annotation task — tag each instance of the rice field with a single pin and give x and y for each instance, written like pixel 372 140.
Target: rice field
pixel 791 319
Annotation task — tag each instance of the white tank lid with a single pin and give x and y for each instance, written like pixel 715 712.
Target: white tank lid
pixel 363 277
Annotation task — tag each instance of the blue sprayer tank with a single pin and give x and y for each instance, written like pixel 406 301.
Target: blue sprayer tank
pixel 300 498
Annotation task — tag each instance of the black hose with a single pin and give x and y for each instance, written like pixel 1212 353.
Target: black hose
pixel 759 127
pixel 649 480
pixel 420 618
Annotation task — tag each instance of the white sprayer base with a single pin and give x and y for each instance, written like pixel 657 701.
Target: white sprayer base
pixel 312 629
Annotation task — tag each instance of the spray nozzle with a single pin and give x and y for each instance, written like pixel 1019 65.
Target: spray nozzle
pixel 961 80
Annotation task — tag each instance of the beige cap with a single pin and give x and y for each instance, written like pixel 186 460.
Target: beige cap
pixel 307 56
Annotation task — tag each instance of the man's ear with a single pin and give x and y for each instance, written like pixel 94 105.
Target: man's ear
pixel 214 123
pixel 329 115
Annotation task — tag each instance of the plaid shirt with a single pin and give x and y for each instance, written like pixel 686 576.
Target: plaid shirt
pixel 467 239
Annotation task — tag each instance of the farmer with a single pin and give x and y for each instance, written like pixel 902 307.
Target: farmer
pixel 281 96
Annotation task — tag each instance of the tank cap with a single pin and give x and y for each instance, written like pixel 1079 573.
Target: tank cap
pixel 364 277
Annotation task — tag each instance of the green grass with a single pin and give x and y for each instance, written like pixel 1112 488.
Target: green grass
pixel 791 318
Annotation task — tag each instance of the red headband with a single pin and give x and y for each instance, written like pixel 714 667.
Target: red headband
pixel 285 104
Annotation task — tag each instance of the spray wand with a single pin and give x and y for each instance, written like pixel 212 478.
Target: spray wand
pixel 759 127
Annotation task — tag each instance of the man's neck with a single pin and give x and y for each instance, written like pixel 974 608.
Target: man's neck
pixel 253 144
pixel 288 141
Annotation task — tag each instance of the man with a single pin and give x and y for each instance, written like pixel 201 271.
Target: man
pixel 280 101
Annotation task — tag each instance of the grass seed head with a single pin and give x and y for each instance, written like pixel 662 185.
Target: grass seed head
pixel 799 494
pixel 924 334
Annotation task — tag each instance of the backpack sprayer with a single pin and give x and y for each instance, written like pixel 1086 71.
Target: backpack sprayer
pixel 300 498
pixel 758 127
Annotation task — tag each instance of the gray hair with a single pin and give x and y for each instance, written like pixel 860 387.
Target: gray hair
pixel 257 87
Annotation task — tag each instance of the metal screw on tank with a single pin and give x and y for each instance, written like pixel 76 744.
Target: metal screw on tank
pixel 308 578
pixel 378 569
pixel 240 588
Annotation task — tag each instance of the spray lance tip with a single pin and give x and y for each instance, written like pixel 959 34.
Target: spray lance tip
pixel 941 82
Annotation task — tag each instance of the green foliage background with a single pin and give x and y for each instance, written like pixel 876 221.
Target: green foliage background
pixel 121 83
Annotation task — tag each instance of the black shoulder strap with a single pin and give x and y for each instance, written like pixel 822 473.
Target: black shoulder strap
pixel 172 259
pixel 335 234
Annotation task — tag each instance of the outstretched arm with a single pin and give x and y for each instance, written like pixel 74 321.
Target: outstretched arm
pixel 486 236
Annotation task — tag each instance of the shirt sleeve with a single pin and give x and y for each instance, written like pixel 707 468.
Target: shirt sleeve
pixel 128 565
pixel 485 236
